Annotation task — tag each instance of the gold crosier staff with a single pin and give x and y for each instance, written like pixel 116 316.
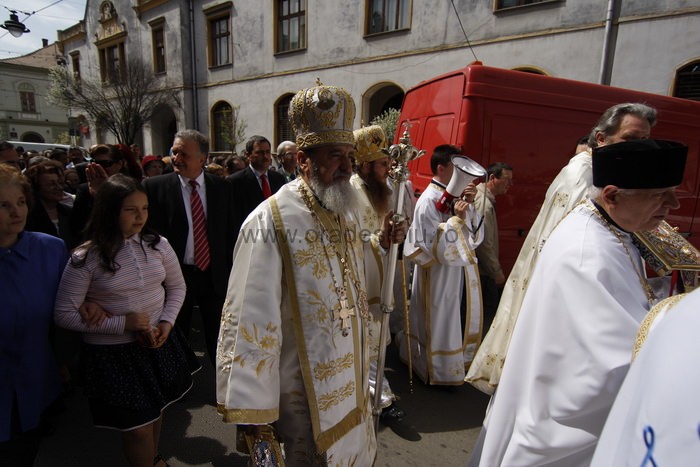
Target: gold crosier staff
pixel 407 323
pixel 401 154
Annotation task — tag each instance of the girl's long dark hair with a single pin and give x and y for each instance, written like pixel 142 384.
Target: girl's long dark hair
pixel 102 233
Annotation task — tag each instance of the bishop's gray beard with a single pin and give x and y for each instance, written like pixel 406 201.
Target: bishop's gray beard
pixel 338 197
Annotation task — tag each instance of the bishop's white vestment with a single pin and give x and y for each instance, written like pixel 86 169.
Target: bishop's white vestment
pixel 567 190
pixel 655 419
pixel 370 223
pixel 571 347
pixel 442 248
pixel 293 340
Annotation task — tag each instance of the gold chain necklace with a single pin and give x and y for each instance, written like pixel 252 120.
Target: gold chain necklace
pixel 642 279
pixel 344 311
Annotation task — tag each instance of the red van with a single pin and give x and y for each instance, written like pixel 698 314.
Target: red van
pixel 532 122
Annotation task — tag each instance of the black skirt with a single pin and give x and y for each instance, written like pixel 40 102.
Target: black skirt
pixel 128 385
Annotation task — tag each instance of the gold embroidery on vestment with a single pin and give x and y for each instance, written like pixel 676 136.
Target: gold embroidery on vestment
pixel 313 256
pixel 266 349
pixel 326 370
pixel 333 398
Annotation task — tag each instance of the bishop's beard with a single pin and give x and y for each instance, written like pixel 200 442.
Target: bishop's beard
pixel 379 193
pixel 338 196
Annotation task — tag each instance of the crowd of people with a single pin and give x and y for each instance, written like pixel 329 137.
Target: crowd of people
pixel 285 257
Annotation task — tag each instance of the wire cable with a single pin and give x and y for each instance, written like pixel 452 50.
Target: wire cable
pixel 463 31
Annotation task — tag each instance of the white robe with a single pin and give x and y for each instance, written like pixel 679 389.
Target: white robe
pixel 570 350
pixel 659 396
pixel 567 190
pixel 442 247
pixel 370 225
pixel 282 357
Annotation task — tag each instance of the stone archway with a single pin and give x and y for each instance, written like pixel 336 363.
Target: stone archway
pixel 379 98
pixel 163 129
pixel 32 137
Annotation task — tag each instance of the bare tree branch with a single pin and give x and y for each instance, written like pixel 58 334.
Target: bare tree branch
pixel 121 105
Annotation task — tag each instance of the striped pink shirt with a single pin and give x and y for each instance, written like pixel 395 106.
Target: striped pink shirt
pixel 147 281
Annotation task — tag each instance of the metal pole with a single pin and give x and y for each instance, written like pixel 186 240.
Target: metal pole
pixel 402 153
pixel 606 59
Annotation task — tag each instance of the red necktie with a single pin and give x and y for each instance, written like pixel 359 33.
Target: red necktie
pixel 199 227
pixel 265 185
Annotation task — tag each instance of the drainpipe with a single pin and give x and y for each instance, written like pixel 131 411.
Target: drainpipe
pixel 195 100
pixel 608 44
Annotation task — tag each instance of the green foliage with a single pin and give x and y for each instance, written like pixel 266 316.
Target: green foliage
pixel 388 121
pixel 233 128
pixel 62 138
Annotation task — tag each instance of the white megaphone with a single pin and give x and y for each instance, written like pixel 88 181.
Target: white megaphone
pixel 465 171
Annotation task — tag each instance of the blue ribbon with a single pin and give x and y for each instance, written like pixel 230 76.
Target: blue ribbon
pixel 648 434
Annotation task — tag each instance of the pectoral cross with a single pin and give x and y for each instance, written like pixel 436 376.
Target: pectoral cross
pixel 344 315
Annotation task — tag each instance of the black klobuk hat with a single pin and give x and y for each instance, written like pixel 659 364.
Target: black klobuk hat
pixel 640 164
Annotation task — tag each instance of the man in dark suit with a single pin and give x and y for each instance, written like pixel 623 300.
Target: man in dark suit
pixel 192 209
pixel 254 184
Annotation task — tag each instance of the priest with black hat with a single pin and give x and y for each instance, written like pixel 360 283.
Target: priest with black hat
pixel 587 296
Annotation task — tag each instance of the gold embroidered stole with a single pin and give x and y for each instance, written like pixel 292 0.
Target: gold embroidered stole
pixel 334 367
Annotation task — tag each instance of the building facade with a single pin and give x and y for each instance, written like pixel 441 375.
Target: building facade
pixel 25 113
pixel 251 56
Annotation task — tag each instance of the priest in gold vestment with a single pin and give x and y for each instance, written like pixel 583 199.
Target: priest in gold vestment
pixel 293 348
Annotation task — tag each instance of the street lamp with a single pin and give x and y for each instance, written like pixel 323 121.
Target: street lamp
pixel 14 26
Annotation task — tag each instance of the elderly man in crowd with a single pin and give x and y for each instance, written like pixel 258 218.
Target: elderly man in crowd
pixel 588 294
pixel 192 209
pixel 499 179
pixel 293 348
pixel 287 159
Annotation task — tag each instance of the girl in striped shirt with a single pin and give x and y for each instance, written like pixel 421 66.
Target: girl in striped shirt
pixel 134 364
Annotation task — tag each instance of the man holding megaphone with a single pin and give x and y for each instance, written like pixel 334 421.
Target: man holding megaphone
pixel 445 310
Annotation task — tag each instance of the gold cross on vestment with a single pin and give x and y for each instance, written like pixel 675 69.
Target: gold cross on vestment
pixel 344 315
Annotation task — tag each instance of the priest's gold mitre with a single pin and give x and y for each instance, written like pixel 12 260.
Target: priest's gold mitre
pixel 322 115
pixel 370 144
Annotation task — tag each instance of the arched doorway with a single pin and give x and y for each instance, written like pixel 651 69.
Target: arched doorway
pixel 379 99
pixel 283 128
pixel 32 137
pixel 163 129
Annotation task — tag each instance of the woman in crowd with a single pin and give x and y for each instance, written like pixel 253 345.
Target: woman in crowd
pixel 152 166
pixel 133 365
pixel 30 267
pixel 49 215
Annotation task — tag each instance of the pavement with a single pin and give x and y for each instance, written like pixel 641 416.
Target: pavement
pixel 440 428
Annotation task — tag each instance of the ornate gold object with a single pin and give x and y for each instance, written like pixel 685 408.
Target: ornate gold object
pixel 264 450
pixel 669 250
pixel 322 115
